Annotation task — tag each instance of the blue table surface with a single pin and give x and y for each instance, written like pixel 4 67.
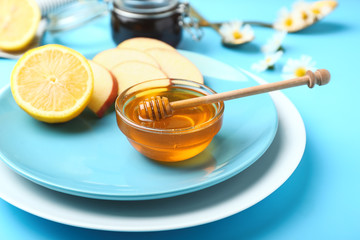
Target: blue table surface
pixel 321 199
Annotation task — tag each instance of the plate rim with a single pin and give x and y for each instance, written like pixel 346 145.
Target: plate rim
pixel 282 100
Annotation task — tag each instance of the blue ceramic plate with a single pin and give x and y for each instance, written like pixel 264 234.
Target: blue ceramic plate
pixel 90 157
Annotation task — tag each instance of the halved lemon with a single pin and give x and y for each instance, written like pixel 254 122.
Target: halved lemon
pixel 52 83
pixel 19 20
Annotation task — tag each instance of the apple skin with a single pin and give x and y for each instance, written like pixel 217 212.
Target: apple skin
pixel 105 90
pixel 143 43
pixel 132 72
pixel 176 65
pixel 114 56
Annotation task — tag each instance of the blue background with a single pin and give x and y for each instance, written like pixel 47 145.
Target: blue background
pixel 321 199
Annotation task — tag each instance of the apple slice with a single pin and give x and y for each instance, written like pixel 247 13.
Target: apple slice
pixel 142 44
pixel 133 72
pixel 176 65
pixel 105 90
pixel 112 57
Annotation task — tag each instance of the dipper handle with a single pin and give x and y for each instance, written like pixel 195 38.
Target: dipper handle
pixel 157 108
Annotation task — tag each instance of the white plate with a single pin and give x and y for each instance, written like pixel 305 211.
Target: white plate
pixel 211 204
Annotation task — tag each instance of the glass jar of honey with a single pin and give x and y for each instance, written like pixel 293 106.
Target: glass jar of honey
pixel 159 19
pixel 181 136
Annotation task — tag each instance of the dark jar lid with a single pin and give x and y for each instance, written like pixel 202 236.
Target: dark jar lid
pixel 145 8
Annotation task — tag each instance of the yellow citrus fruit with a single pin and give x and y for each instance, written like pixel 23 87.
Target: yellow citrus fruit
pixel 19 20
pixel 52 83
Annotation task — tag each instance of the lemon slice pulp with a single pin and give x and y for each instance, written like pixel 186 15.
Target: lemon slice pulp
pixel 52 83
pixel 19 20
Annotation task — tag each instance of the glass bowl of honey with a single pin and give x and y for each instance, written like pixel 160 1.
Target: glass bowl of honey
pixel 176 138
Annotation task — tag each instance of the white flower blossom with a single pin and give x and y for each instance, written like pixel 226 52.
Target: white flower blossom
pixel 234 32
pixel 274 43
pixel 268 62
pixel 320 11
pixel 298 67
pixel 288 21
pixel 303 10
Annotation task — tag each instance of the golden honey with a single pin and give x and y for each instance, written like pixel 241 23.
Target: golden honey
pixel 183 135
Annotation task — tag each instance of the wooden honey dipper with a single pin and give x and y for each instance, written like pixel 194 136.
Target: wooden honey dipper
pixel 157 108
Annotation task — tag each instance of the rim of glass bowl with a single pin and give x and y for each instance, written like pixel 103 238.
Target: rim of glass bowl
pixel 199 127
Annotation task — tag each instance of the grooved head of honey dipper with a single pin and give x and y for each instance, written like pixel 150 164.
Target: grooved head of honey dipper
pixel 155 108
pixel 322 77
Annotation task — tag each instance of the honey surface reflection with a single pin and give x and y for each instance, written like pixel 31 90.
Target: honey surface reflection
pixel 183 135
